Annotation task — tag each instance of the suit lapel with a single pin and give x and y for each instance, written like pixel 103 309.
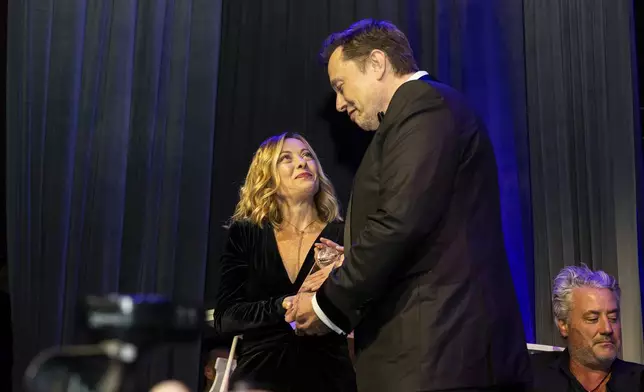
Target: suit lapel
pixel 364 173
pixel 347 227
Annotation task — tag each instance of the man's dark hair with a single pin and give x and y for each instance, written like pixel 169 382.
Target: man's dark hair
pixel 362 37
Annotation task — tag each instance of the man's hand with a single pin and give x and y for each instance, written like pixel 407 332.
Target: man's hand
pixel 306 321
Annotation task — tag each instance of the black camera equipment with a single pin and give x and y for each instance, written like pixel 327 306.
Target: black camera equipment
pixel 125 327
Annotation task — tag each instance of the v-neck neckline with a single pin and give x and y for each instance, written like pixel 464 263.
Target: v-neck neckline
pixel 307 265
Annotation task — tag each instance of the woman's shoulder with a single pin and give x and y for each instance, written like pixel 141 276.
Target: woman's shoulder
pixel 246 235
pixel 244 228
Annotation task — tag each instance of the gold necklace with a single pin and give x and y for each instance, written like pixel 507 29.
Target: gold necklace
pixel 299 246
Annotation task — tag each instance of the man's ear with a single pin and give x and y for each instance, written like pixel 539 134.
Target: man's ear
pixel 563 328
pixel 377 63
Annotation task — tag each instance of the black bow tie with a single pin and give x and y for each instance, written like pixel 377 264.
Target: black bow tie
pixel 381 115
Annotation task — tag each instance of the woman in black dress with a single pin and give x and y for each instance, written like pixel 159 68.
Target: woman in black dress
pixel 286 205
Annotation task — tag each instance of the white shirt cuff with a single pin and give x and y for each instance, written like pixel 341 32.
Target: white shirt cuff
pixel 324 318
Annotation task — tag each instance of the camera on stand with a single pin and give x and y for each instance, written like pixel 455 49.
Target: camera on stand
pixel 125 328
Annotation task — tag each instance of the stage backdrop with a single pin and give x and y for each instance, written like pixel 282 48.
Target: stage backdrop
pixel 110 133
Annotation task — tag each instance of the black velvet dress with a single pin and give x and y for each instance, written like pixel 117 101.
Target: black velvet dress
pixel 270 356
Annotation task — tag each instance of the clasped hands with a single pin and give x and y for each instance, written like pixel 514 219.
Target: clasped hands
pixel 299 307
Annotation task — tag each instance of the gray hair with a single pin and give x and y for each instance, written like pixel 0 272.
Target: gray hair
pixel 572 277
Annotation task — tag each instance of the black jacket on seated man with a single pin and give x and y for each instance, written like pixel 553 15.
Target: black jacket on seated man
pixel 551 373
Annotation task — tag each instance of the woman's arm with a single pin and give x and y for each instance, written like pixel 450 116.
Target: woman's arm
pixel 234 314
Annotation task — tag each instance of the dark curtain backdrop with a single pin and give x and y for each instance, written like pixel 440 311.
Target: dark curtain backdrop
pixel 109 150
pixel 271 81
pixel 585 149
pixel 638 9
pixel 6 341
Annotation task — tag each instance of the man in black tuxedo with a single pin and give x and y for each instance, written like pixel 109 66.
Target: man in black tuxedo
pixel 425 280
pixel 587 313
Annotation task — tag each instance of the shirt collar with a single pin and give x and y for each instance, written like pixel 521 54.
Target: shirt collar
pixel 563 362
pixel 417 75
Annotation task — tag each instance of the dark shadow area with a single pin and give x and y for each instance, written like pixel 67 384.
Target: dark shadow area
pixel 6 341
pixel 349 144
pixel 212 347
pixel 638 7
pixel 639 47
pixel 639 42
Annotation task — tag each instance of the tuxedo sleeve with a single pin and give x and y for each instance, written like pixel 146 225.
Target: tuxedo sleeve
pixel 418 165
pixel 234 313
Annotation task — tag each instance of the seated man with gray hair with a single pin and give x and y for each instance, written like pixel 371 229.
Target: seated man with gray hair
pixel 586 309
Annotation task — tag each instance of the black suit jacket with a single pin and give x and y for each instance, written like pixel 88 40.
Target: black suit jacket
pixel 425 281
pixel 551 373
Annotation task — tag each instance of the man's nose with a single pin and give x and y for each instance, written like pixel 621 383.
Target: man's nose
pixel 605 326
pixel 340 103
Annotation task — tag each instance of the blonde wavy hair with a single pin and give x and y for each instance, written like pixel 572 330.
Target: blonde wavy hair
pixel 258 199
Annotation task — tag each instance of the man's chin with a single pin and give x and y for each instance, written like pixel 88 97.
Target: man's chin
pixel 367 127
pixel 605 353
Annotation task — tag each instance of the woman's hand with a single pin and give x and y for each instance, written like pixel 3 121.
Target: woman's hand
pixel 315 280
pixel 289 305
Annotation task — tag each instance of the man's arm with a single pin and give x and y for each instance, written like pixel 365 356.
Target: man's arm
pixel 323 317
pixel 419 163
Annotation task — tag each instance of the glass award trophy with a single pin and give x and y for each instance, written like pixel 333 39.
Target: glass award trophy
pixel 324 257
